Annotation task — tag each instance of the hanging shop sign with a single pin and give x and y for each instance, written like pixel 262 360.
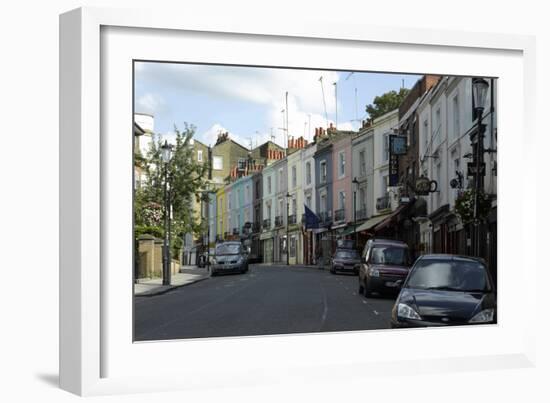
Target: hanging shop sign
pixel 425 186
pixel 398 146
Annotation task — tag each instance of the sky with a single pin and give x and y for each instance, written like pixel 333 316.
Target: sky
pixel 247 102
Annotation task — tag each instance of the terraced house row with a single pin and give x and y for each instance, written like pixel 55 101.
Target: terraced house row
pixel 293 204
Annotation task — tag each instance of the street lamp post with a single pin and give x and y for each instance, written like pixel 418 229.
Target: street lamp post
pixel 356 184
pixel 166 156
pixel 480 87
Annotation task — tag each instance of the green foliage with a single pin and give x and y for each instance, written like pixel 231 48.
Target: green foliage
pixel 465 203
pixel 185 177
pixel 386 102
pixel 157 232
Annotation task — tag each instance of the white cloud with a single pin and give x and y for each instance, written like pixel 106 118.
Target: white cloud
pixel 149 103
pixel 210 136
pixel 261 86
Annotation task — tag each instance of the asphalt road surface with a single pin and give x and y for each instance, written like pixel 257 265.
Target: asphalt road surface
pixel 266 300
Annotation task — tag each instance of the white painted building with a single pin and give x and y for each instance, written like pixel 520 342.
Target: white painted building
pixel 446 119
pixel 384 199
pixel 296 205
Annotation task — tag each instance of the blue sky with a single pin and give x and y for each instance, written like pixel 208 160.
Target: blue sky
pixel 247 101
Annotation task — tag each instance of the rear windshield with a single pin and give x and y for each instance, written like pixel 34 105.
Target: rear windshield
pixel 459 275
pixel 228 249
pixel 390 255
pixel 347 254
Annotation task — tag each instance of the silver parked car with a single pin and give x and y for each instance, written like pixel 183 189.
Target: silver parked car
pixel 229 257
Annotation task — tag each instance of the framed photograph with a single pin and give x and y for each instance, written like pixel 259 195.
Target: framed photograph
pixel 239 204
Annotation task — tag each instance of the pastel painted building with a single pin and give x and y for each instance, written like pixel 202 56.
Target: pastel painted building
pixel 295 200
pixel 280 174
pixel 363 171
pixel 267 236
pixel 342 197
pixel 309 199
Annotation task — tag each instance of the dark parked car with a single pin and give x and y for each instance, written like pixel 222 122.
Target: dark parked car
pixel 345 260
pixel 229 257
pixel 444 290
pixel 385 262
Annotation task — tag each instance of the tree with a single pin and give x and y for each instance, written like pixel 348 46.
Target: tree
pixel 386 102
pixel 185 176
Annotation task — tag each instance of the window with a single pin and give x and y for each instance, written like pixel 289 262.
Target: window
pixel 269 185
pixel 425 135
pixel 281 179
pixel 323 171
pixel 293 246
pixel 241 164
pixel 341 164
pixel 293 210
pixel 199 155
pixel 456 117
pixel 386 152
pixel 341 200
pixel 294 176
pixel 247 194
pixel 437 126
pixel 384 183
pixel 362 199
pixel 268 212
pixel 323 206
pixel 308 173
pixel 217 162
pixel 281 207
pixel 362 163
pixel 308 201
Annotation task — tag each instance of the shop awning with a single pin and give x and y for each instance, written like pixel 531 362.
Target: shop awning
pixel 389 219
pixel 372 222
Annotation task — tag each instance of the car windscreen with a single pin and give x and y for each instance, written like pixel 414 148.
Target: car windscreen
pixel 453 275
pixel 228 249
pixel 390 255
pixel 346 254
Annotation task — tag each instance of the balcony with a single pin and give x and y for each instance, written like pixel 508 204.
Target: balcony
pixel 256 226
pixel 340 215
pixel 279 221
pixel 292 219
pixel 325 217
pixel 267 224
pixel 361 214
pixel 383 203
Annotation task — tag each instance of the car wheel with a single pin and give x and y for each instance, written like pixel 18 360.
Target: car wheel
pixel 332 270
pixel 368 289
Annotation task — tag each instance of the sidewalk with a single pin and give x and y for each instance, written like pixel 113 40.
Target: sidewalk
pixel 187 275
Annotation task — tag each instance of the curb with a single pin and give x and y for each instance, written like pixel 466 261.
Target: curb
pixel 160 292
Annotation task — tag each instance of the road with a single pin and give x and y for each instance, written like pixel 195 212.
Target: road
pixel 266 300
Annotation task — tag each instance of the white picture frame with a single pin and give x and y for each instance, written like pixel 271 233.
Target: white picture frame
pixel 97 357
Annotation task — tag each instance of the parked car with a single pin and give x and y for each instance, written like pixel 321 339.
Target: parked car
pixel 445 290
pixel 345 260
pixel 229 257
pixel 385 262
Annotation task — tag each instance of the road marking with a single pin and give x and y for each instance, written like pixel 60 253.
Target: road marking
pixel 363 301
pixel 376 313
